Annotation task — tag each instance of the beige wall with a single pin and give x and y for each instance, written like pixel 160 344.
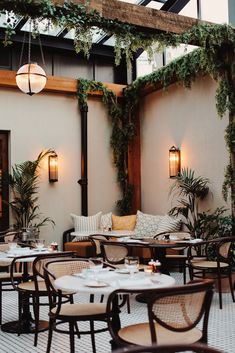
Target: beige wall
pixel 53 121
pixel 188 120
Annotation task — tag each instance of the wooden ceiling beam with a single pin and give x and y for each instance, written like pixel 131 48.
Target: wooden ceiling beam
pixel 57 84
pixel 150 20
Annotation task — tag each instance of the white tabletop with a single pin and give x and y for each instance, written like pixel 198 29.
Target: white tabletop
pixel 114 280
pixel 10 255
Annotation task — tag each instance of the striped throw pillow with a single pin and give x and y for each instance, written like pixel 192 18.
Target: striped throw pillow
pixel 168 224
pixel 88 225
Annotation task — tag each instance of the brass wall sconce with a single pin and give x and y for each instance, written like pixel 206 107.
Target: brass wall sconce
pixel 53 167
pixel 174 162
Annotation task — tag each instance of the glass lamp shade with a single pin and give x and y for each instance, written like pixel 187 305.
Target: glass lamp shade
pixel 53 168
pixel 31 78
pixel 174 162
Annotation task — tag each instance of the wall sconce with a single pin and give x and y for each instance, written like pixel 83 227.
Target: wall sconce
pixel 174 162
pixel 53 167
pixel 31 78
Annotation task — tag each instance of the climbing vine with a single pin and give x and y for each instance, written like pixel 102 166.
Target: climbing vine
pixel 122 132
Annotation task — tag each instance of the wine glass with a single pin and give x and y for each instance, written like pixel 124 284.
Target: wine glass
pixel 132 264
pixel 96 263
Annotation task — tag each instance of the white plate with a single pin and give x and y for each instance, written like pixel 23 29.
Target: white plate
pixel 124 270
pixel 95 284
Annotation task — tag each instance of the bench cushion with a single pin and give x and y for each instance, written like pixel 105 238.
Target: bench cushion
pixel 82 248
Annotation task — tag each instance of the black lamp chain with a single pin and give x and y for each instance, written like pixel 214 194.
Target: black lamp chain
pixel 40 45
pixel 22 50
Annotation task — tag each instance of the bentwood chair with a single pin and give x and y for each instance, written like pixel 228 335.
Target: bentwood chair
pixel 70 313
pixel 189 348
pixel 96 240
pixel 5 277
pixel 35 287
pixel 212 259
pixel 114 253
pixel 173 316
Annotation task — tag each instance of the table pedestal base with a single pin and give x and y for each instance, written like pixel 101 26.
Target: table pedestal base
pixel 29 327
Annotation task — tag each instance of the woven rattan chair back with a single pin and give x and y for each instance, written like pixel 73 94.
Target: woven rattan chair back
pixel 40 261
pixel 177 309
pixel 95 240
pixel 113 252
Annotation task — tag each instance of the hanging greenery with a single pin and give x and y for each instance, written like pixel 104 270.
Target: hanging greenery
pixel 122 132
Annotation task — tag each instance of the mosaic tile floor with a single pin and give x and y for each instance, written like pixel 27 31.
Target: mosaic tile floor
pixel 221 328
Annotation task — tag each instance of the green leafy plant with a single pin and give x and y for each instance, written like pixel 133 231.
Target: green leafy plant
pixel 214 224
pixel 190 191
pixel 122 133
pixel 23 183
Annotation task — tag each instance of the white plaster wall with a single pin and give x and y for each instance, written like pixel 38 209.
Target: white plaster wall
pixel 53 121
pixel 188 120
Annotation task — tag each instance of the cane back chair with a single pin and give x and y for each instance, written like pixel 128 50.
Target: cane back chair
pixel 173 314
pixel 69 312
pixel 212 259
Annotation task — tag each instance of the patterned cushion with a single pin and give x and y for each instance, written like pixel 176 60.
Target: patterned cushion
pixel 168 224
pixel 85 225
pixel 106 221
pixel 146 224
pixel 124 222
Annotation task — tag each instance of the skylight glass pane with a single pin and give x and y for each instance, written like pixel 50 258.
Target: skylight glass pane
pixel 43 28
pixel 110 41
pixel 155 5
pixel 11 19
pixel 190 9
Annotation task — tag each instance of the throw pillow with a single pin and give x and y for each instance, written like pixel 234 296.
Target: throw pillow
pixel 86 224
pixel 81 236
pixel 168 224
pixel 106 221
pixel 123 222
pixel 146 224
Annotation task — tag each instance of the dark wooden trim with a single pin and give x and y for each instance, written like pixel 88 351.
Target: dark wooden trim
pixel 4 220
pixel 134 165
pixel 84 179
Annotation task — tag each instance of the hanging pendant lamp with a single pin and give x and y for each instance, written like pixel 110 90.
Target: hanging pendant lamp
pixel 31 78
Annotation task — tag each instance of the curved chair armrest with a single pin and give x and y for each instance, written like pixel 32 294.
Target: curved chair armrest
pixel 67 236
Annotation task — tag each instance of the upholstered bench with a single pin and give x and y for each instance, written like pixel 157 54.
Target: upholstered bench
pixel 82 248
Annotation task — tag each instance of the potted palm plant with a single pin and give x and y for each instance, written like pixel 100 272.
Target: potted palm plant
pixel 190 191
pixel 23 184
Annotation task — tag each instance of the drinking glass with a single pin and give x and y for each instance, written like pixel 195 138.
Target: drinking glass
pixel 39 243
pixel 96 263
pixel 132 264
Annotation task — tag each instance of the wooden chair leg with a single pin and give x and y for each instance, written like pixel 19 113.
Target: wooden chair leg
pixel 36 318
pixel 0 303
pixel 231 286
pixel 184 271
pixel 71 337
pixel 92 336
pixel 50 332
pixel 220 290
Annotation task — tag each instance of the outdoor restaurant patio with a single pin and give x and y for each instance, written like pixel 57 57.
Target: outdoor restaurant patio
pixel 117 169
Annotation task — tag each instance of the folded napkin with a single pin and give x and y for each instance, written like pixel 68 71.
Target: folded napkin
pixel 137 283
pixel 196 240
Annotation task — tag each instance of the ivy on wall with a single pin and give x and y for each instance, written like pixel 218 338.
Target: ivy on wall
pixel 122 132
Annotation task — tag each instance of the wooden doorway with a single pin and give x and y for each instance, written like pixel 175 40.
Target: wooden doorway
pixel 4 190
